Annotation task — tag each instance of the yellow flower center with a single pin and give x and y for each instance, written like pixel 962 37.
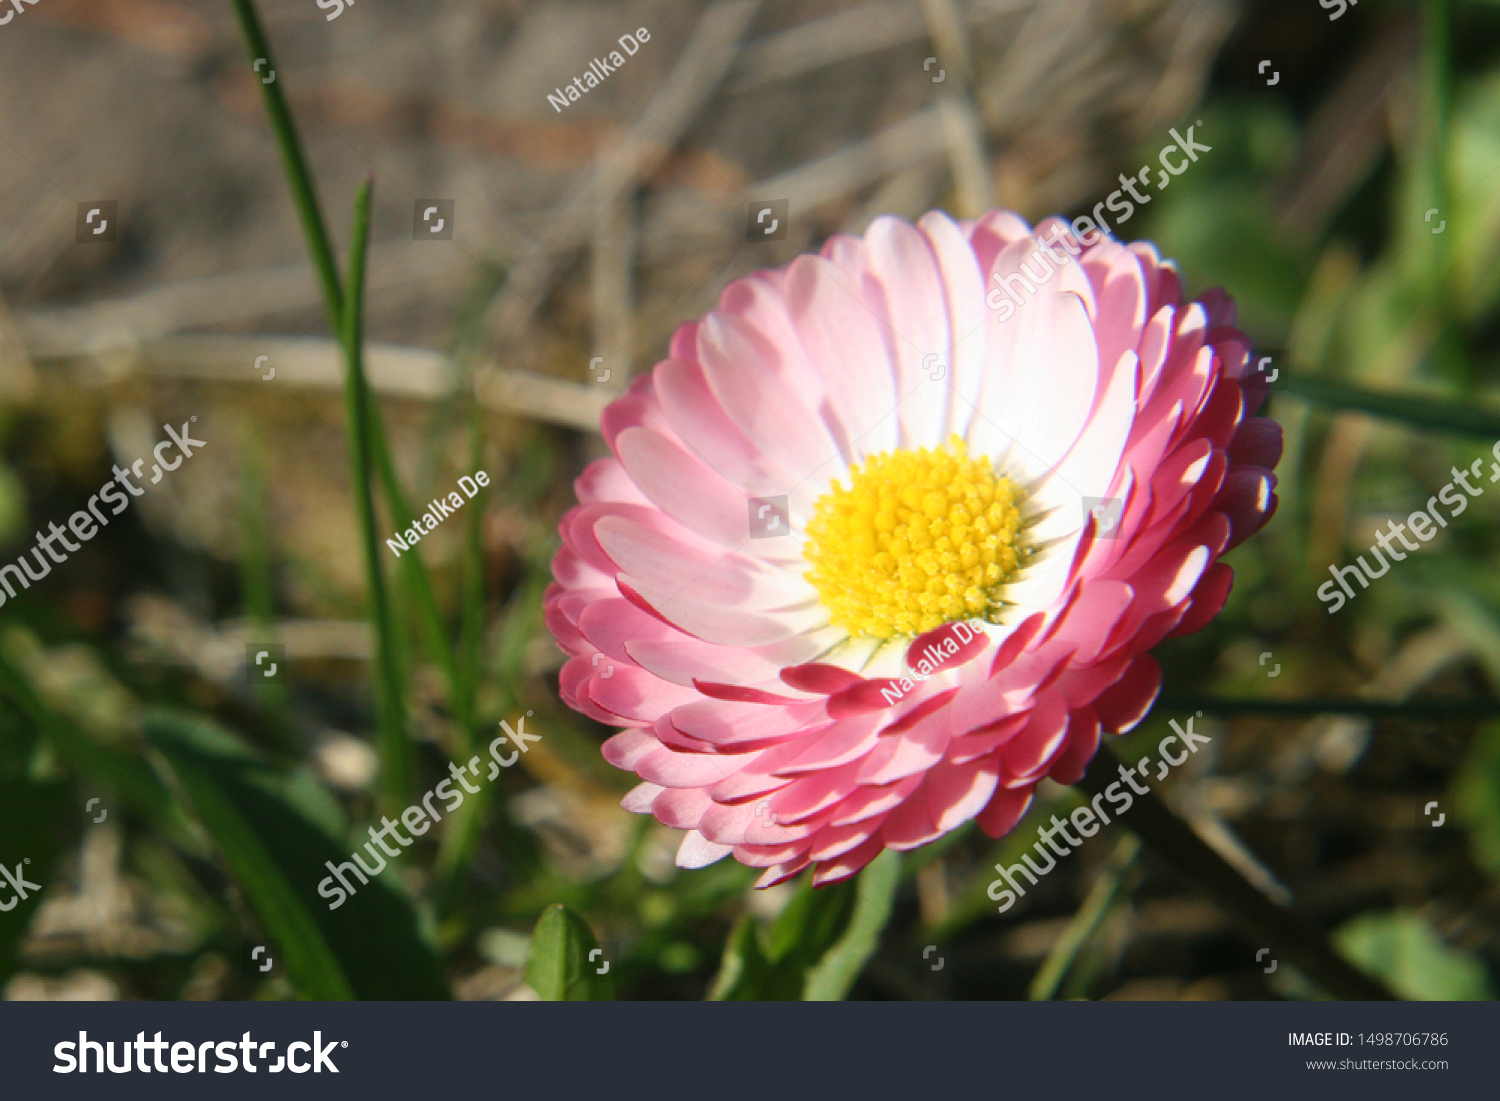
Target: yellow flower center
pixel 918 539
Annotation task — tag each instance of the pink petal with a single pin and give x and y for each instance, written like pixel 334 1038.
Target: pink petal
pixel 846 865
pixel 1005 809
pixel 696 851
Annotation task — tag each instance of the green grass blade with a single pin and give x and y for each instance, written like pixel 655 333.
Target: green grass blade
pixel 304 194
pixel 273 834
pixel 320 247
pixel 413 571
pixel 1420 710
pixel 832 977
pixel 202 769
pixel 1085 922
pixel 255 537
pixel 522 620
pixel 256 583
pixel 1419 410
pixel 394 748
pixel 1426 256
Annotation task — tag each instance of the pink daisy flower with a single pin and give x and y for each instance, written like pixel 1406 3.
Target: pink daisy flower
pixel 889 535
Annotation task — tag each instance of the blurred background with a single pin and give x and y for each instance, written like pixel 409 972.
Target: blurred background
pixel 176 803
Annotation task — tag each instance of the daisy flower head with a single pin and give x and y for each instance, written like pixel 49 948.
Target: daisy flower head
pixel 889 535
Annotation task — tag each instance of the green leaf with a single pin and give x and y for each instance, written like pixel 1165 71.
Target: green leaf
pixel 558 967
pixel 1407 953
pixel 762 966
pixel 272 832
pixel 817 946
pixel 810 925
pixel 831 979
pixel 745 970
